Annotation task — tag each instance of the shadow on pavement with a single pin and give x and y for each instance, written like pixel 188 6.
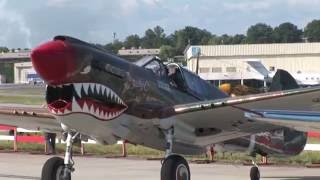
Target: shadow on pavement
pixel 292 178
pixel 18 177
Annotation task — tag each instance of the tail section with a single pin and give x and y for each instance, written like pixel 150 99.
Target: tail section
pixel 282 80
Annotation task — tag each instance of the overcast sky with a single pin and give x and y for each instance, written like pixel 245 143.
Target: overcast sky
pixel 26 23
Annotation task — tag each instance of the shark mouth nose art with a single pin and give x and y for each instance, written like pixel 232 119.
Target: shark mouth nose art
pixel 89 98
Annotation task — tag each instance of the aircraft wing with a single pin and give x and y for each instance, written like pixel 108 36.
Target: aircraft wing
pixel 28 117
pixel 224 119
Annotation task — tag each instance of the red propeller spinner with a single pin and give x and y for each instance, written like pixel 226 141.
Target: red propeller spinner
pixel 54 61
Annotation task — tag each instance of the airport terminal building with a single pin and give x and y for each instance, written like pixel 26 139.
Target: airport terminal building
pixel 253 62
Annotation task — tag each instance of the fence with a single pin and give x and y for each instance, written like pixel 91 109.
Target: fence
pixel 15 138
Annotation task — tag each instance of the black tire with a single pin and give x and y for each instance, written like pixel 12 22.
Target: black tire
pixel 53 169
pixel 254 173
pixel 175 168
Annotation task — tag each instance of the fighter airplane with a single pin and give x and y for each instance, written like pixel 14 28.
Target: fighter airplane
pixel 92 93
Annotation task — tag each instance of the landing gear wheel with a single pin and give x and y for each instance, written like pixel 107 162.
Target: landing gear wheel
pixel 175 167
pixel 254 173
pixel 53 169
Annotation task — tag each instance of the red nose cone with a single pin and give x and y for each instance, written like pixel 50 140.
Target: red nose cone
pixel 54 61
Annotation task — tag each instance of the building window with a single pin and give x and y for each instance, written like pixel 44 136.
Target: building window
pixel 204 70
pixel 272 68
pixel 231 69
pixel 217 70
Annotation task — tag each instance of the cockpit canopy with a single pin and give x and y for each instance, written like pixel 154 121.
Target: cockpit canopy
pixel 153 64
pixel 181 78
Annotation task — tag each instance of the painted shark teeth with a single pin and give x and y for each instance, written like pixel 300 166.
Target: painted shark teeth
pixel 98 88
pixel 78 88
pixel 88 90
pixel 75 106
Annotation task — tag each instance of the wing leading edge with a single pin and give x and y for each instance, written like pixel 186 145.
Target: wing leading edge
pixel 28 117
pixel 290 95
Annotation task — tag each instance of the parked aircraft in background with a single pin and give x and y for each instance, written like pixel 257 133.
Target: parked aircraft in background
pixel 307 79
pixel 303 79
pixel 92 93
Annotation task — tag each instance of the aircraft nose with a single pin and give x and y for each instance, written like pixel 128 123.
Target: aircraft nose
pixel 54 61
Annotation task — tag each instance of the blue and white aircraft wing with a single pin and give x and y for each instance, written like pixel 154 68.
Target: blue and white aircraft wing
pixel 299 120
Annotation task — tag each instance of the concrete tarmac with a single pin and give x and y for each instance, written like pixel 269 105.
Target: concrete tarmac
pixel 15 166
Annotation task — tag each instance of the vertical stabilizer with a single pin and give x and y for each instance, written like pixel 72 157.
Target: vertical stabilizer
pixel 282 80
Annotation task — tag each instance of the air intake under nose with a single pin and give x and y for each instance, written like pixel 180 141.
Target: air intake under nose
pixel 54 61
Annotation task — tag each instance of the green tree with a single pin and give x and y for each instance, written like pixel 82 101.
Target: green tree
pixel 167 51
pixel 132 41
pixel 114 47
pixel 190 35
pixel 154 38
pixel 170 40
pixel 7 69
pixel 4 50
pixel 148 39
pixel 312 31
pixel 287 33
pixel 239 39
pixel 226 39
pixel 160 36
pixel 260 33
pixel 215 40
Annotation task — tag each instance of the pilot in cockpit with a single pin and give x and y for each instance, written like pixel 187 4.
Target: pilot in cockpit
pixel 175 77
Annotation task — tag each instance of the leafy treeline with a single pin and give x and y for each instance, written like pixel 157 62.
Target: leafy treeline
pixel 5 49
pixel 175 43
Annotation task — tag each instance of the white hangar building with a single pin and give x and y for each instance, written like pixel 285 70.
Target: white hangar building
pixel 250 62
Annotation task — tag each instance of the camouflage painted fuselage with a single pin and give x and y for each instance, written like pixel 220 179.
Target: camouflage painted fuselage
pixel 108 98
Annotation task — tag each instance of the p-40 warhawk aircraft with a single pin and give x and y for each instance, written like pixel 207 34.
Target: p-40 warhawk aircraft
pixel 95 94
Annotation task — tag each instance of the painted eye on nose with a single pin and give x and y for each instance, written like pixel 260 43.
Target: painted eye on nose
pixel 86 70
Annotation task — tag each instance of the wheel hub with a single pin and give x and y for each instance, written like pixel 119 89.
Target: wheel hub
pixel 182 172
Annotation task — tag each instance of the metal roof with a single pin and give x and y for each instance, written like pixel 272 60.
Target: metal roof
pixel 138 52
pixel 15 55
pixel 255 49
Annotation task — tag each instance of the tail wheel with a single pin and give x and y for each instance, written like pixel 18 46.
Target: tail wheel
pixel 175 167
pixel 53 169
pixel 254 173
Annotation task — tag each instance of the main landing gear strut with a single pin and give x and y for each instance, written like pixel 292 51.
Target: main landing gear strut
pixel 254 172
pixel 174 167
pixel 57 168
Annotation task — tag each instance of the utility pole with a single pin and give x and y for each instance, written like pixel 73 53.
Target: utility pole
pixel 114 37
pixel 198 57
